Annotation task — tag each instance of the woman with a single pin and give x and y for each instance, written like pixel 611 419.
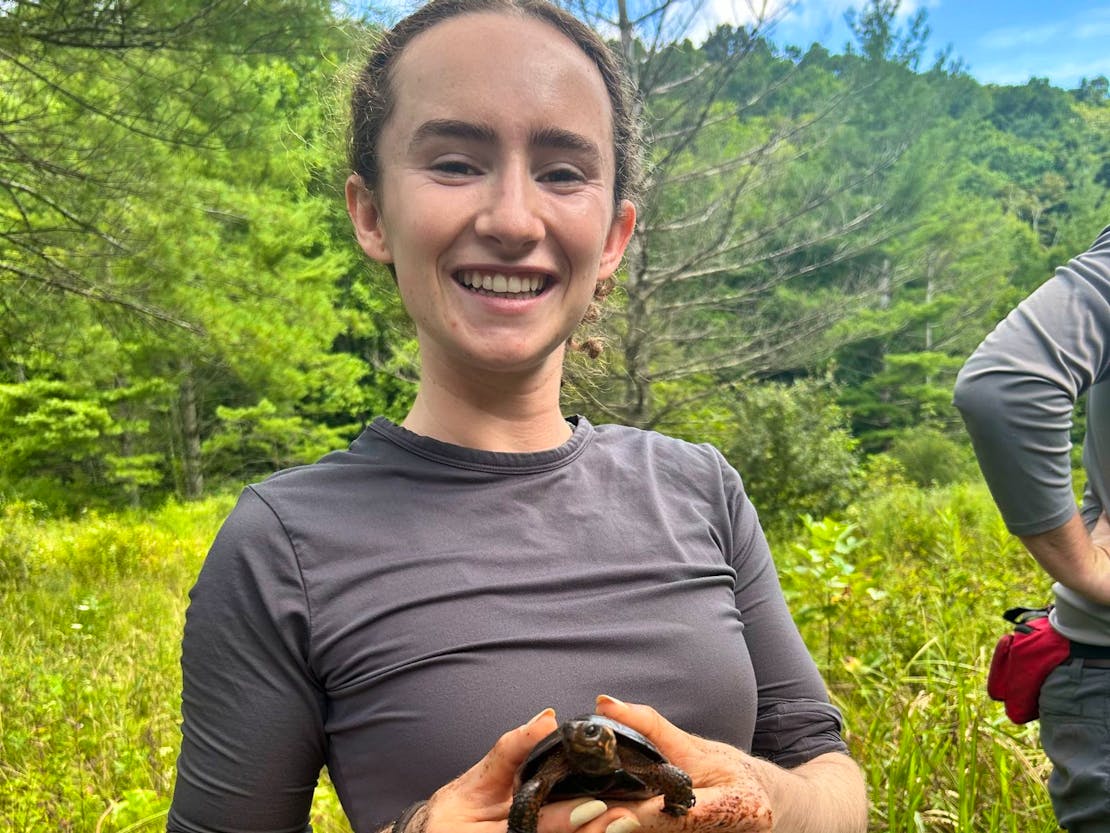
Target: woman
pixel 389 611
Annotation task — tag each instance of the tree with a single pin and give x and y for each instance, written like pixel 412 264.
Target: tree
pixel 773 184
pixel 88 83
pixel 795 451
pixel 174 254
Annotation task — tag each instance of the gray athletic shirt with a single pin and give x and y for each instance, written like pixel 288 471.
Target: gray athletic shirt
pixel 1017 393
pixel 392 609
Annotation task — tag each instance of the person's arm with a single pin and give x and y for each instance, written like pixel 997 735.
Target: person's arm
pixel 1017 391
pixel 824 794
pixel 253 742
pixel 1075 557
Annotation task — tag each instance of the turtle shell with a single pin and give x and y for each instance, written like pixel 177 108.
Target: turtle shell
pixel 621 784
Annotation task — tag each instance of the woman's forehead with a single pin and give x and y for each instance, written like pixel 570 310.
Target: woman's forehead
pixel 494 67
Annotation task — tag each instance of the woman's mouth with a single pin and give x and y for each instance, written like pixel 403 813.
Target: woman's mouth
pixel 498 285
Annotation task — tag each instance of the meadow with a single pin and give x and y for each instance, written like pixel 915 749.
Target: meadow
pixel 899 600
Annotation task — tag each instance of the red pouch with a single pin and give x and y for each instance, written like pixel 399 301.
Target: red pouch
pixel 1023 659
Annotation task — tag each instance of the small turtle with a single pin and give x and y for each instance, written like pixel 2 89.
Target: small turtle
pixel 593 755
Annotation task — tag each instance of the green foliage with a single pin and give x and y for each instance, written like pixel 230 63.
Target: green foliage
pixel 176 242
pixel 67 443
pixel 794 451
pixel 90 683
pixel 824 577
pixel 181 304
pixel 901 603
pixel 931 458
pixel 179 253
pixel 257 441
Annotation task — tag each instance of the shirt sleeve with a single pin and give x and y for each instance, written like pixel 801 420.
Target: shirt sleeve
pixel 1018 390
pixel 795 722
pixel 253 742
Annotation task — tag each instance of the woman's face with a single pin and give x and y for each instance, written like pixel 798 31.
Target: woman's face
pixel 495 200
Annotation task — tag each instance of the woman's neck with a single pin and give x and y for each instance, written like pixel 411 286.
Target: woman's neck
pixel 490 416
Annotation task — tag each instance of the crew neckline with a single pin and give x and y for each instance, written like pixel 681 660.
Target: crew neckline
pixel 474 459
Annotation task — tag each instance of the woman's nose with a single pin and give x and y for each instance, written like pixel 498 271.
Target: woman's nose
pixel 511 214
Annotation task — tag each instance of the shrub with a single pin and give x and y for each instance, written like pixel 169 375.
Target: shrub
pixel 794 451
pixel 17 539
pixel 930 458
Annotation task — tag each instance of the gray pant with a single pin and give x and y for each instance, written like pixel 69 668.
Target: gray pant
pixel 1075 734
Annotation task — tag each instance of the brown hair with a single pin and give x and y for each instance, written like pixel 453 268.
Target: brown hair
pixel 372 101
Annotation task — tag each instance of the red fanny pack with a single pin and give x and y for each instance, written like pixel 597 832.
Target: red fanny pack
pixel 1023 659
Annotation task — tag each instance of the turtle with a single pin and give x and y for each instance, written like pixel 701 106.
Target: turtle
pixel 593 755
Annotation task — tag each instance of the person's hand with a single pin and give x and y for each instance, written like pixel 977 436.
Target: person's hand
pixel 1075 557
pixel 1100 534
pixel 736 792
pixel 729 784
pixel 478 801
pixel 1100 538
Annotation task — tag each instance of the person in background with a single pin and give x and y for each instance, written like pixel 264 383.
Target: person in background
pixel 393 611
pixel 1017 393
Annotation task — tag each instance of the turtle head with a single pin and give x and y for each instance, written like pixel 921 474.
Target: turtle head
pixel 590 746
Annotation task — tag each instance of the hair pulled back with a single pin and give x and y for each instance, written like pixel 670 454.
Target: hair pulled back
pixel 372 98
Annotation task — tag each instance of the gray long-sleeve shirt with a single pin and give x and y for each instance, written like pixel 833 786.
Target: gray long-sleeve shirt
pixel 1017 393
pixel 389 611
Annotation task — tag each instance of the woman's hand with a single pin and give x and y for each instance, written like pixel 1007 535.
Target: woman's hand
pixel 478 801
pixel 727 782
pixel 737 792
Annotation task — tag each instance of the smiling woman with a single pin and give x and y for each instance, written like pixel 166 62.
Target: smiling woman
pixel 466 186
pixel 394 609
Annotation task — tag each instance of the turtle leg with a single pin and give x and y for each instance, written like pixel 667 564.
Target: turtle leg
pixel 524 814
pixel 671 782
pixel 676 786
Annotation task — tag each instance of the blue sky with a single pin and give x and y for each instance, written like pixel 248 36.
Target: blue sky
pixel 1000 41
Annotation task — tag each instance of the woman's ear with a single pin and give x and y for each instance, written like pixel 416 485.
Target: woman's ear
pixel 620 232
pixel 362 206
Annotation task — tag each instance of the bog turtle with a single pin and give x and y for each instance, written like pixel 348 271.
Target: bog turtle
pixel 592 755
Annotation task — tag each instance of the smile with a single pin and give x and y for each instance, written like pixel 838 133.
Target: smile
pixel 497 284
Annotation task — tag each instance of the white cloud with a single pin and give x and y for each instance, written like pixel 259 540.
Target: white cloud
pixel 1090 26
pixel 1063 73
pixel 1060 50
pixel 813 14
pixel 1011 37
pixel 803 21
pixel 1092 29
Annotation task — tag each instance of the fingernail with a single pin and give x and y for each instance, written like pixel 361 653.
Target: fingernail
pixel 541 715
pixel 605 698
pixel 623 825
pixel 587 811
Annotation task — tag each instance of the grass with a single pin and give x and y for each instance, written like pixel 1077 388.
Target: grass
pixel 900 602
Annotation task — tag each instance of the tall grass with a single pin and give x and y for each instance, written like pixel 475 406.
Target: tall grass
pixel 901 604
pixel 899 601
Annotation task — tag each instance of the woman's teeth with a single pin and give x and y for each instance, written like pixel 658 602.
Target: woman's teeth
pixel 498 284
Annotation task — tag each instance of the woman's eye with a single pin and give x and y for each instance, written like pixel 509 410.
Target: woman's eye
pixel 562 176
pixel 454 167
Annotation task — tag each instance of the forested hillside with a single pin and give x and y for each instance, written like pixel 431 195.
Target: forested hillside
pixel 824 237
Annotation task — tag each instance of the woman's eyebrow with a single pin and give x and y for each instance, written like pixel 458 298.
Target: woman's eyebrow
pixel 559 139
pixel 452 129
pixel 546 137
